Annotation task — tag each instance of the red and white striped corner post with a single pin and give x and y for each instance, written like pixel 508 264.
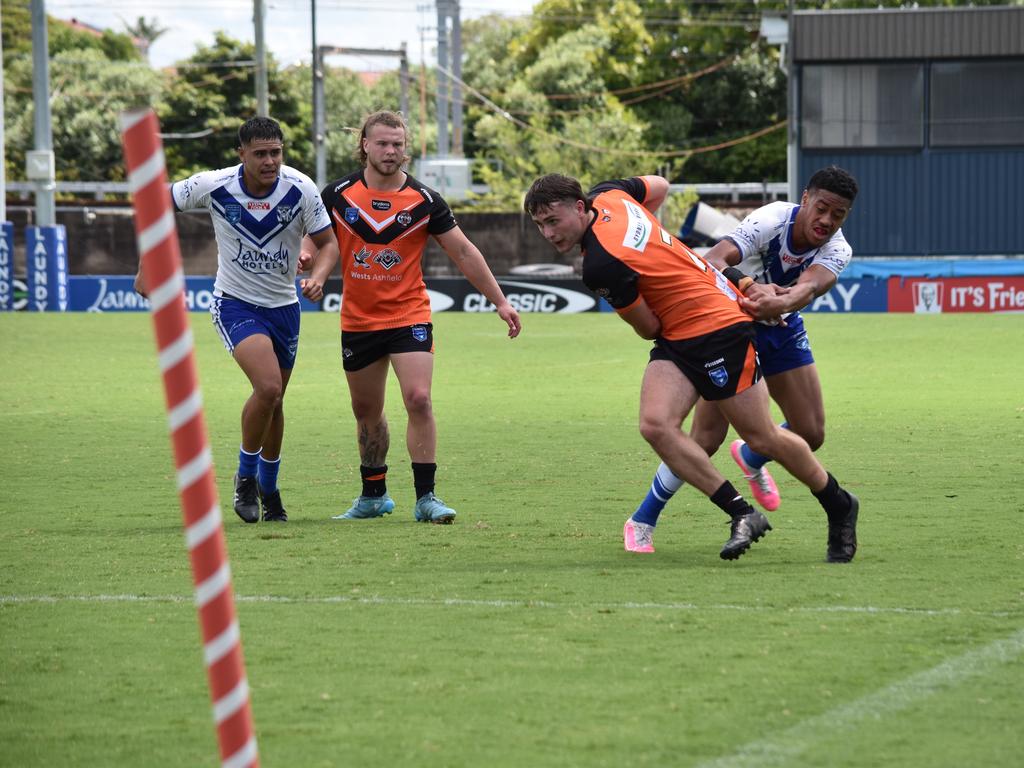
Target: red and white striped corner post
pixel 204 533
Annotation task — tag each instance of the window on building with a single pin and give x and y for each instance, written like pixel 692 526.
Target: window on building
pixel 977 103
pixel 862 105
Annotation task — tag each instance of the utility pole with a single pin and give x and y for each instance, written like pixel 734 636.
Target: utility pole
pixel 262 96
pixel 39 164
pixel 423 89
pixel 793 110
pixel 456 69
pixel 442 78
pixel 317 76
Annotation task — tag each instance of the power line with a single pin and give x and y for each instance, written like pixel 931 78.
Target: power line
pixel 506 115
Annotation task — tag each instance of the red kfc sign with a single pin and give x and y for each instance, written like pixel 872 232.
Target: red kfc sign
pixel 956 294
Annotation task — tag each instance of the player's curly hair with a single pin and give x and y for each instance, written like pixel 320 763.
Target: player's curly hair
pixel 380 117
pixel 834 179
pixel 260 128
pixel 551 189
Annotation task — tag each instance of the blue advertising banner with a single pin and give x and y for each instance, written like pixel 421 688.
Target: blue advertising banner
pixel 6 267
pixel 116 293
pixel 47 257
pixel 867 295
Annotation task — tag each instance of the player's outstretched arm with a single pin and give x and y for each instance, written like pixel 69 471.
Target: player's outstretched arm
pixel 471 263
pixel 326 256
pixel 723 254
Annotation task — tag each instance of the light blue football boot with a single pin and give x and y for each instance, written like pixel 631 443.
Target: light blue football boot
pixel 430 509
pixel 368 506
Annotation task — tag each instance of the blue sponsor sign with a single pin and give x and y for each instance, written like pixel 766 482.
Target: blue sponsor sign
pixel 47 257
pixel 116 293
pixel 864 295
pixel 6 267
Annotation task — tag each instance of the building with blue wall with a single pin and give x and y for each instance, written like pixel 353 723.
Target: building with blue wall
pixel 926 108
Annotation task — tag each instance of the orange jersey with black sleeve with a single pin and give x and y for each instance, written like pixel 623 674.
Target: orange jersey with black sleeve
pixel 627 255
pixel 381 237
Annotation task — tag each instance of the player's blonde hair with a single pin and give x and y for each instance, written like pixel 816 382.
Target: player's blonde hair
pixel 380 117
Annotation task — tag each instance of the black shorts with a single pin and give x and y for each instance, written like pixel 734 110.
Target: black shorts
pixel 360 348
pixel 719 364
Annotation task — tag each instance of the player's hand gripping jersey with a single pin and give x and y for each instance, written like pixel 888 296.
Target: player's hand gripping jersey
pixel 258 238
pixel 381 236
pixel 764 239
pixel 627 255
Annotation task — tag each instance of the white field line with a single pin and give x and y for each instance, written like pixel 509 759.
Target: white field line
pixel 786 748
pixel 461 602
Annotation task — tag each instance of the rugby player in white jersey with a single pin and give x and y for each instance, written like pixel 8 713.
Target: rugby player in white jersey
pixel 261 209
pixel 794 253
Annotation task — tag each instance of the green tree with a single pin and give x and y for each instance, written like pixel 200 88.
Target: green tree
pixel 87 93
pixel 586 132
pixel 213 93
pixel 114 46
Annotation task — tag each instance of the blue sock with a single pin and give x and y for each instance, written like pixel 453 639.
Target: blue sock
pixel 756 460
pixel 663 487
pixel 267 474
pixel 247 462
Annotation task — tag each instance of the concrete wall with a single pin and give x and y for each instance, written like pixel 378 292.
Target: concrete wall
pixel 101 241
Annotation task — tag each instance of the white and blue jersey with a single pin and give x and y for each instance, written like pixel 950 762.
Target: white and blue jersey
pixel 258 238
pixel 765 242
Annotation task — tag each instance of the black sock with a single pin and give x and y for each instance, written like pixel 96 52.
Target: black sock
pixel 423 478
pixel 833 499
pixel 729 501
pixel 375 482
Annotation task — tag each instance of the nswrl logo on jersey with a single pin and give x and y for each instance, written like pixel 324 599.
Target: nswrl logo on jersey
pixel 351 215
pixel 719 376
pixel 419 333
pixel 233 212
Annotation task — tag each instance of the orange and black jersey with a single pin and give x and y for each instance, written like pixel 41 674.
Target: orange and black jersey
pixel 627 255
pixel 381 236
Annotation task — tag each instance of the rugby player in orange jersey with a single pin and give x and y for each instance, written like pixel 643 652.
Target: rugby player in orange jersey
pixel 703 344
pixel 382 217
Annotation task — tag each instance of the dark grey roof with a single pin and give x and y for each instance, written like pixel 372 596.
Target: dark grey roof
pixel 923 33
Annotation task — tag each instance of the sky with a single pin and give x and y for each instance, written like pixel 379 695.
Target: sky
pixel 287 25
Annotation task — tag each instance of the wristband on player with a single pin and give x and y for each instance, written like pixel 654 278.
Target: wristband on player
pixel 737 278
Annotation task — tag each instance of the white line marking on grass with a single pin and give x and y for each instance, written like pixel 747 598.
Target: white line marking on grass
pixel 462 602
pixel 787 746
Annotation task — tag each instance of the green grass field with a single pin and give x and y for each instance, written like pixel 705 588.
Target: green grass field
pixel 523 635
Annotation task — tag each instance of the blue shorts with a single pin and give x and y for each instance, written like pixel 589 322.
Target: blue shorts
pixel 236 320
pixel 783 348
